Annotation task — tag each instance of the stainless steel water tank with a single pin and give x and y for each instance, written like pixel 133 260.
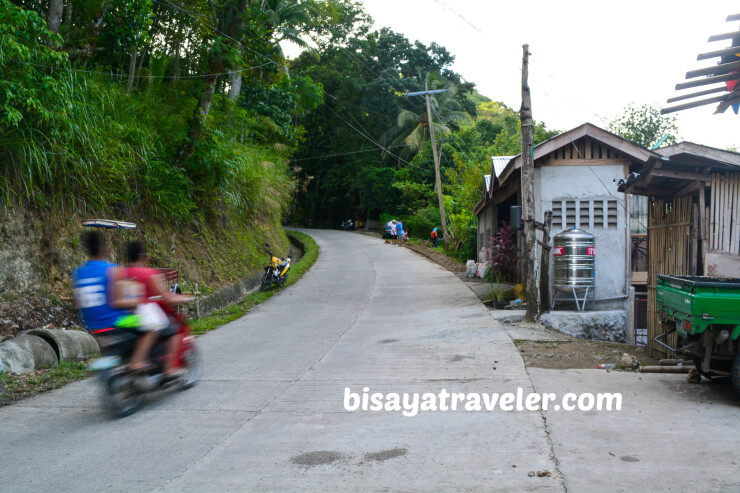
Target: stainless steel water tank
pixel 573 254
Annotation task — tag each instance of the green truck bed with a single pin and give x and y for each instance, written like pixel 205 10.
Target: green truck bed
pixel 695 303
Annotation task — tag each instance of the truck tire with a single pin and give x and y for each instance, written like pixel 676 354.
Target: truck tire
pixel 735 376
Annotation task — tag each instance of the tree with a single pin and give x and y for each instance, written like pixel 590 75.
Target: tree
pixel 415 129
pixel 645 126
pixel 282 20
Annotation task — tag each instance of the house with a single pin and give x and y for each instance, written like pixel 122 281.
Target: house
pixel 574 175
pixel 693 218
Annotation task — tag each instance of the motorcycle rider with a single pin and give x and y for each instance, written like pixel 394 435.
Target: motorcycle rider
pixel 93 289
pixel 153 284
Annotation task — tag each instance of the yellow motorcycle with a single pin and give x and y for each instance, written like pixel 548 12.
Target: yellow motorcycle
pixel 276 272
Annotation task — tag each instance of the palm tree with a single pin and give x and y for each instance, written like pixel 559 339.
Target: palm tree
pixel 282 20
pixel 413 130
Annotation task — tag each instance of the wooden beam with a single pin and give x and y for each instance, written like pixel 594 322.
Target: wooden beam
pixel 661 193
pixel 693 104
pixel 713 54
pixel 729 101
pixel 646 176
pixel 697 94
pixel 680 175
pixel 706 81
pixel 584 162
pixel 715 70
pixel 720 37
pixel 691 189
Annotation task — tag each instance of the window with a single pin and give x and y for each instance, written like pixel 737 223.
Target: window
pixel 638 214
pixel 585 214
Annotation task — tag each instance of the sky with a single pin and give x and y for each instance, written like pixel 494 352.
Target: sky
pixel 588 59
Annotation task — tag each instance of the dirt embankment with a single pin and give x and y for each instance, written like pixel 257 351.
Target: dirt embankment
pixel 39 250
pixel 31 313
pixel 448 263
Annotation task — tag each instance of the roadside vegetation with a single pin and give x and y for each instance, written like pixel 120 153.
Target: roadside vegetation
pixel 237 310
pixel 14 387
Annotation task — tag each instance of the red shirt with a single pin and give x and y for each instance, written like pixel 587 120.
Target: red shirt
pixel 143 275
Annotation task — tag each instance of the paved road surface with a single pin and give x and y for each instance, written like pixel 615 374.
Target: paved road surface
pixel 268 414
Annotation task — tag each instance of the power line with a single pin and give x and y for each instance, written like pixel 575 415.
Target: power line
pixel 69 69
pixel 445 6
pixel 343 154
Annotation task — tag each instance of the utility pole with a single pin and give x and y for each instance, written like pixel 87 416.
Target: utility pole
pixel 435 153
pixel 528 212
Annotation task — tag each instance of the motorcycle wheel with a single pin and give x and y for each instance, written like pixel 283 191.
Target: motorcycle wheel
pixel 193 367
pixel 266 281
pixel 122 398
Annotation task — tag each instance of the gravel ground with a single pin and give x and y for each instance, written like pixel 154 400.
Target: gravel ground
pixel 578 354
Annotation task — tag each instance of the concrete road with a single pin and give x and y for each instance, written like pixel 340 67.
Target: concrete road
pixel 269 414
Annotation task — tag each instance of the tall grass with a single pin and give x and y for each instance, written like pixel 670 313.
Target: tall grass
pixel 104 150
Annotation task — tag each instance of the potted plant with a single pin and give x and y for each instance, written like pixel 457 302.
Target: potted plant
pixel 497 291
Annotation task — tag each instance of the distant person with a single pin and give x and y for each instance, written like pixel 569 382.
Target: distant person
pixel 434 236
pixel 393 232
pixel 400 233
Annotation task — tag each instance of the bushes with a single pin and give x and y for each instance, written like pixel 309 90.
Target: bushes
pixel 420 223
pixel 102 149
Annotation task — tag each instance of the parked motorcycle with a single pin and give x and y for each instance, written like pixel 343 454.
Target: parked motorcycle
pixel 276 272
pixel 123 390
pixel 348 225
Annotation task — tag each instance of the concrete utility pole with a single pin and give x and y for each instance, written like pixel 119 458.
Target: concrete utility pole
pixel 435 153
pixel 528 212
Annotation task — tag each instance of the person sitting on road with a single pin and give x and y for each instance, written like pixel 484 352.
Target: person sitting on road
pixel 93 289
pixel 154 288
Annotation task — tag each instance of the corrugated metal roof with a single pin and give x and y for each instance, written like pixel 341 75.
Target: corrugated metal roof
pixel 499 163
pixel 488 182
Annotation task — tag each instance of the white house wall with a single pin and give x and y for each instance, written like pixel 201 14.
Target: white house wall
pixel 582 183
pixel 486 226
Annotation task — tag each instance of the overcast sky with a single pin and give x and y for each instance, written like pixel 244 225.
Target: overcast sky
pixel 589 59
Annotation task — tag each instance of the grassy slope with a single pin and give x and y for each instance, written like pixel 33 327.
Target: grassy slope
pixel 225 315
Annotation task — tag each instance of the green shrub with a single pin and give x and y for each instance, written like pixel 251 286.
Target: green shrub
pixel 420 223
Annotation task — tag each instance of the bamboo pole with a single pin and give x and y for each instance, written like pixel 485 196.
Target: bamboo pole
pixel 713 213
pixel 736 214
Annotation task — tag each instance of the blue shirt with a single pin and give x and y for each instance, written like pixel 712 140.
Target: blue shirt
pixel 91 281
pixel 399 227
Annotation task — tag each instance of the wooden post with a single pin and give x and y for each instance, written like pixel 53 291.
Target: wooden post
pixel 702 227
pixel 528 210
pixel 437 176
pixel 545 265
pixel 694 232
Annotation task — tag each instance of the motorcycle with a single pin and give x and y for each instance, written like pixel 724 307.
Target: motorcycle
pixel 348 225
pixel 124 390
pixel 276 272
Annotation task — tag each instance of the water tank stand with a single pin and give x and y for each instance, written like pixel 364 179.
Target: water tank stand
pixel 580 302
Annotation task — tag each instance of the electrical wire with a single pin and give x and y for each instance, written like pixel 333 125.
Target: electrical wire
pixel 199 76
